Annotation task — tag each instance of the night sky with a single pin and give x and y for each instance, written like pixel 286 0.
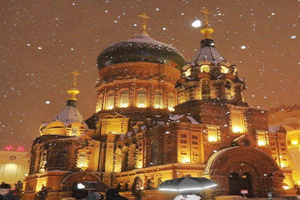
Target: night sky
pixel 43 41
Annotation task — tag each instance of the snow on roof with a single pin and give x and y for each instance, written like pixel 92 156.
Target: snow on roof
pixel 142 41
pixel 69 115
pixel 213 158
pixel 178 117
pixel 208 53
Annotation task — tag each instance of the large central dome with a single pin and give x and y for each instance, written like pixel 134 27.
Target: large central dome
pixel 141 48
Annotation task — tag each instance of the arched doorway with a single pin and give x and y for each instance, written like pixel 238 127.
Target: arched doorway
pixel 236 168
pixel 81 183
pixel 239 182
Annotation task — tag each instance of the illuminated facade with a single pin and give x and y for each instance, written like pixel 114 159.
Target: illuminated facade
pixel 284 123
pixel 13 164
pixel 157 118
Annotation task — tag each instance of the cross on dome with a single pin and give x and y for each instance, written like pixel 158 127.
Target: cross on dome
pixel 75 74
pixel 206 13
pixel 206 30
pixel 144 25
pixel 73 91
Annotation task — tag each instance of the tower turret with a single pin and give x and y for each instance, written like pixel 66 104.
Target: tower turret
pixel 208 75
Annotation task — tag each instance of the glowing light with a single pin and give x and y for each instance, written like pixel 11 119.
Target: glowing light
pixel 224 70
pixel 286 186
pixel 171 109
pixel 236 129
pixel 124 105
pixel 294 142
pixel 243 47
pixel 261 143
pixel 212 139
pixel 197 23
pixel 47 102
pixel 185 160
pixel 110 107
pixel 80 186
pixel 141 105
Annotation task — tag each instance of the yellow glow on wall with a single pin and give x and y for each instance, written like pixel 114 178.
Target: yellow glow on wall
pixel 171 109
pixel 82 161
pixel 204 68
pixel 185 160
pixel 238 121
pixel 212 139
pixel 237 129
pixel 283 165
pixel 110 107
pixel 261 143
pixel 124 105
pixel 212 134
pixel 224 70
pixel 295 142
pixel 141 105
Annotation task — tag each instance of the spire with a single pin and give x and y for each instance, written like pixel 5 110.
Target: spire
pixel 73 91
pixel 144 25
pixel 206 30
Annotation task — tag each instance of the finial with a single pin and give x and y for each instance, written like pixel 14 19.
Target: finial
pixel 73 91
pixel 144 26
pixel 206 30
pixel 75 74
pixel 206 13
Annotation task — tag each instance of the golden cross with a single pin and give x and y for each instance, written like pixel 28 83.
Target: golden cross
pixel 75 74
pixel 144 16
pixel 206 13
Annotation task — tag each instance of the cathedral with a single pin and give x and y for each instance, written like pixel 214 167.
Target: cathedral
pixel 159 117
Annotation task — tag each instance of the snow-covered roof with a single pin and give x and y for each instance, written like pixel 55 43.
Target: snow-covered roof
pixel 141 48
pixel 183 117
pixel 208 52
pixel 69 115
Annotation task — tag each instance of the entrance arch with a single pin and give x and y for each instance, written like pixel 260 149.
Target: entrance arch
pixel 81 183
pixel 236 168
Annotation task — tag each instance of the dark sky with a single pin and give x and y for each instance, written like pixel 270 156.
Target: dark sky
pixel 43 41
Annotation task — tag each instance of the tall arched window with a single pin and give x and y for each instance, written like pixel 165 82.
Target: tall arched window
pixel 228 89
pixel 99 103
pixel 171 102
pixel 124 99
pixel 155 153
pixel 142 99
pixel 110 100
pixel 82 161
pixel 204 68
pixel 158 100
pixel 205 89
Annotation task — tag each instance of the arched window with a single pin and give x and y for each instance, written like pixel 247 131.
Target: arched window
pixel 238 121
pixel 224 70
pixel 212 134
pixel 142 99
pixel 228 89
pixel 205 89
pixel 171 102
pixel 110 100
pixel 82 161
pixel 158 100
pixel 204 68
pixel 118 160
pixel 155 153
pixel 99 103
pixel 124 99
